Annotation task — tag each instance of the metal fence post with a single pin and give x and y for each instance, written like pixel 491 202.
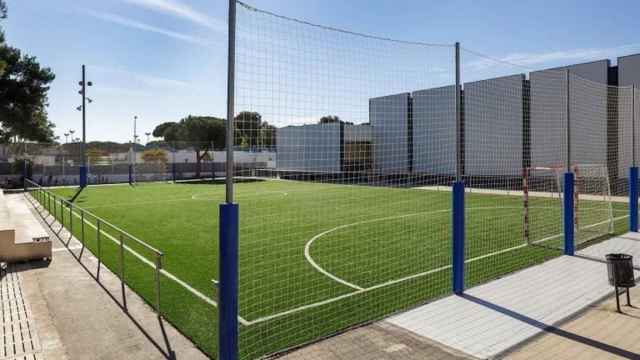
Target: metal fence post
pixel 62 216
pixel 458 224
pixel 633 199
pixel 24 175
pixel 70 219
pixel 228 223
pixel 122 285
pixel 633 171
pixel 569 230
pixel 82 226
pixel 158 267
pixel 99 245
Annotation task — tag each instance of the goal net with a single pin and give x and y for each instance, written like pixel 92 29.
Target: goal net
pixel 543 189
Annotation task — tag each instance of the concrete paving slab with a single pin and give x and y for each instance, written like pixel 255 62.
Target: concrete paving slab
pixel 380 341
pixel 492 318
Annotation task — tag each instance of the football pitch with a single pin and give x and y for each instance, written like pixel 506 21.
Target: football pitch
pixel 315 258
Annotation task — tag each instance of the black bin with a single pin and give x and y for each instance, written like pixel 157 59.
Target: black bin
pixel 620 270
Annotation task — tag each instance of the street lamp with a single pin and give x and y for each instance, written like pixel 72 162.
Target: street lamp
pixel 148 134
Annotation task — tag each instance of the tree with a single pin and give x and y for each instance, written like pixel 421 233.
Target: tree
pixel 246 126
pixel 251 131
pixel 154 156
pixel 201 132
pixel 332 119
pixel 24 86
pixel 267 135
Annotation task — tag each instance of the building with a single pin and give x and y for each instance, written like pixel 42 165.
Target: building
pixel 494 123
pixel 628 76
pixel 330 148
pixel 434 130
pixel 588 114
pixel 390 120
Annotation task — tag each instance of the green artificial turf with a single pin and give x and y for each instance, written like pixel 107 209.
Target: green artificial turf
pixel 385 250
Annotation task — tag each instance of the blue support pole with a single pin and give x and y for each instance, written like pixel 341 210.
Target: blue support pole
pixel 569 247
pixel 228 283
pixel 458 237
pixel 83 176
pixel 633 199
pixel 130 174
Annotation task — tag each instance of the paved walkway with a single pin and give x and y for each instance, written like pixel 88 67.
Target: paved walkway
pixel 599 333
pixel 77 317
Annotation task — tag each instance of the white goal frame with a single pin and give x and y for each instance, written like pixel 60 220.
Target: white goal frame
pixel 578 194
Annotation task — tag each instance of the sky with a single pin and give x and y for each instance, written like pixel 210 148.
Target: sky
pixel 161 60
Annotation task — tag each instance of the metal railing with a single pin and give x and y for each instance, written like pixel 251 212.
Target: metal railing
pixel 59 208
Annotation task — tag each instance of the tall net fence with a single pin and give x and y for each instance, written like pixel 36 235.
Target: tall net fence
pixel 353 224
pixel 345 149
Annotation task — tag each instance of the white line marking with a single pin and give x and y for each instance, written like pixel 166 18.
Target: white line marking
pixel 307 247
pixel 410 277
pixel 164 272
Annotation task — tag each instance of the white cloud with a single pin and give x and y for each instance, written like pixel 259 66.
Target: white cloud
pixel 554 57
pixel 182 11
pixel 138 78
pixel 133 24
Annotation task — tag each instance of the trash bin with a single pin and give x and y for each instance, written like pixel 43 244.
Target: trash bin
pixel 621 274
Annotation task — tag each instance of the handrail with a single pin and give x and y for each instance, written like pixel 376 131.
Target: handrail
pixel 121 234
pixel 103 221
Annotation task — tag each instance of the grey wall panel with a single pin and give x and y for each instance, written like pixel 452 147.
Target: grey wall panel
pixel 289 142
pixel 493 126
pixel 389 117
pixel 434 130
pixel 588 108
pixel 357 133
pixel 629 70
pixel 628 75
pixel 309 148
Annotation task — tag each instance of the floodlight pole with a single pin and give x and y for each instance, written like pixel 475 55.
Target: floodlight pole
pixel 458 192
pixel 569 247
pixel 83 167
pixel 228 229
